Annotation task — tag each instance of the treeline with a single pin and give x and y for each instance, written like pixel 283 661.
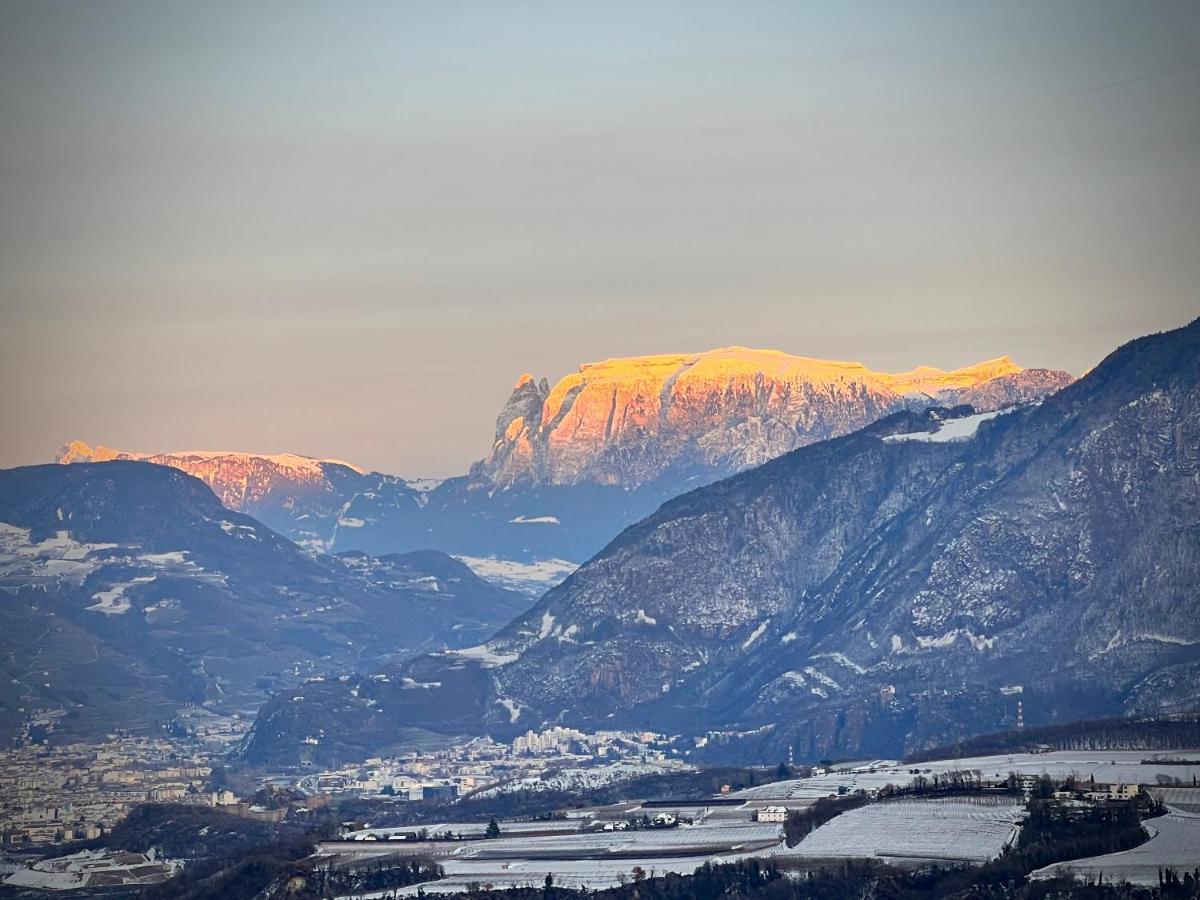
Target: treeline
pixel 184 831
pixel 1176 733
pixel 868 880
pixel 329 881
pixel 246 875
pixel 1053 834
pixel 286 868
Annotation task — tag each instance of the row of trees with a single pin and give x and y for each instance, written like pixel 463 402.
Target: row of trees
pixel 755 880
pixel 528 804
pixel 1176 733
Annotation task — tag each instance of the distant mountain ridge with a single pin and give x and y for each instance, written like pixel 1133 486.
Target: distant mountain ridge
pixel 129 590
pixel 896 587
pixel 300 496
pixel 573 465
pixel 630 421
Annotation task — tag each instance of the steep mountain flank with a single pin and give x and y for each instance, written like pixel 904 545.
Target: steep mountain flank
pixel 130 589
pixel 629 422
pixel 904 584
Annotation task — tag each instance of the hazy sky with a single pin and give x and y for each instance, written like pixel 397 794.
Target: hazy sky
pixel 346 228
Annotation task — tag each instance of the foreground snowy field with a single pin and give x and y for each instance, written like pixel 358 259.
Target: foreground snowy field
pixel 592 860
pixel 1175 844
pixel 1105 766
pixel 913 830
pixel 696 839
pixel 593 874
pixel 956 830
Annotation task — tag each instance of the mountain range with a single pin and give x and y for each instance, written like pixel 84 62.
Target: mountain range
pixel 900 585
pixel 574 464
pixel 221 577
pixel 131 590
pixel 630 422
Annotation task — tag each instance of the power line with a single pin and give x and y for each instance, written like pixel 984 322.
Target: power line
pixel 1117 84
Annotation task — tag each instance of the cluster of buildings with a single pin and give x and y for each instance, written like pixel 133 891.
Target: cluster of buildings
pixel 481 764
pixel 73 792
pixel 559 741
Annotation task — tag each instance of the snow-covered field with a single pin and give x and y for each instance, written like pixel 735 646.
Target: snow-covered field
pixel 911 830
pixel 1175 844
pixel 599 860
pixel 595 874
pixel 61 560
pixel 92 868
pixel 957 830
pixel 1179 799
pixel 962 429
pixel 534 578
pixel 58 558
pixel 1105 766
pixel 591 859
pixel 649 842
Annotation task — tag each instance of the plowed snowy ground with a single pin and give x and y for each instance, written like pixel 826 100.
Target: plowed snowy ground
pixel 958 830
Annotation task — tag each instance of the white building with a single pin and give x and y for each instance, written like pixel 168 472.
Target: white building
pixel 773 814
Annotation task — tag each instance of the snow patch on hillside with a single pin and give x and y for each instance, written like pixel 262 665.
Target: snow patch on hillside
pixel 979 642
pixel 842 660
pixel 485 655
pixel 532 578
pixel 113 602
pixel 756 634
pixel 514 708
pixel 950 429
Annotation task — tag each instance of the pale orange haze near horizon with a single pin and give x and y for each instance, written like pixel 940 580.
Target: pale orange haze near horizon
pixel 345 230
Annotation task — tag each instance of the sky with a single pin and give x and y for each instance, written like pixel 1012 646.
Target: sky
pixel 345 229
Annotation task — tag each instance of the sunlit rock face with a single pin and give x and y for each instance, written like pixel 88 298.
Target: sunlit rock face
pixel 629 421
pixel 238 479
pixel 298 495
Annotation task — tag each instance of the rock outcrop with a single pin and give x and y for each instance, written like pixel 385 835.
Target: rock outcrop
pixel 629 422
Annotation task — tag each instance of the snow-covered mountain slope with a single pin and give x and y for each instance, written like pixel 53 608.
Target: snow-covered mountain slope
pixel 871 593
pixel 129 589
pixel 304 498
